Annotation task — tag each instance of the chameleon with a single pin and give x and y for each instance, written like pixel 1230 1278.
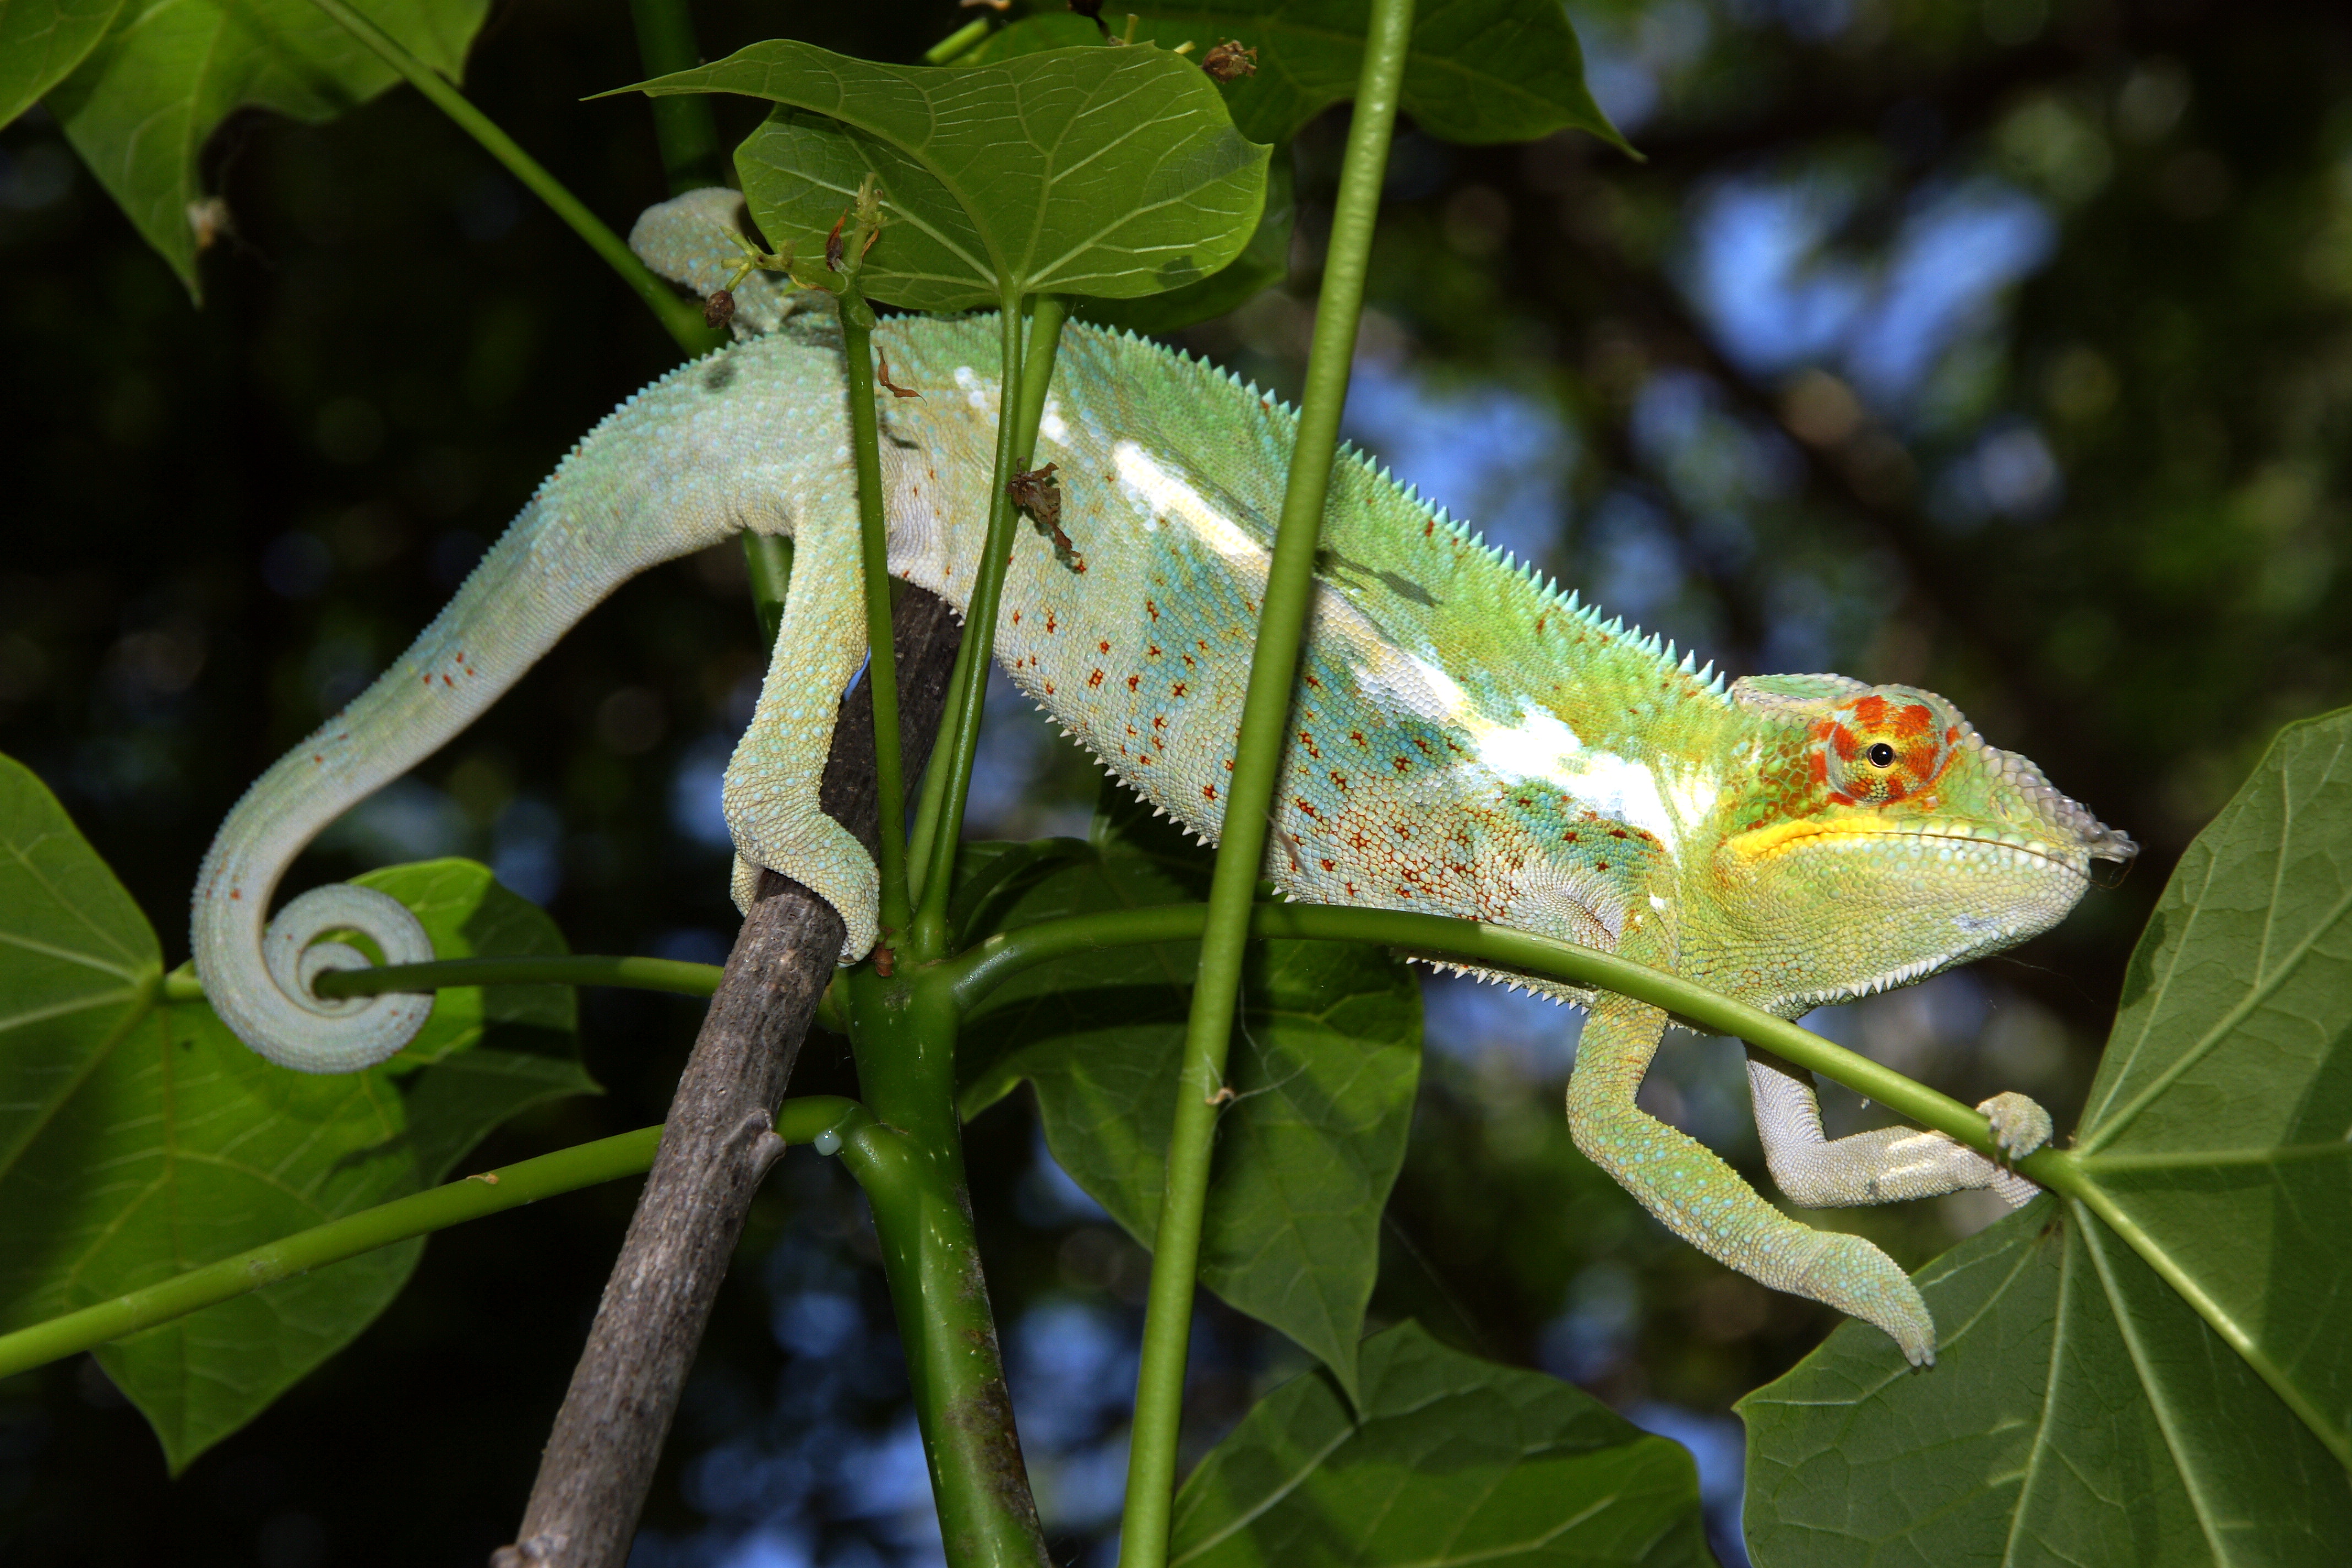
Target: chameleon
pixel 1467 739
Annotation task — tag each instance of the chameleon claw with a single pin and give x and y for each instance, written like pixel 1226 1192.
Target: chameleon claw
pixel 2019 1126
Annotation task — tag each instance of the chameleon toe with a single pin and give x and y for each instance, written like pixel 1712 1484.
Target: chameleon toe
pixel 2019 1126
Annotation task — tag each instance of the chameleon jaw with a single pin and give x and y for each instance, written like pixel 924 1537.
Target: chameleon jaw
pixel 1759 845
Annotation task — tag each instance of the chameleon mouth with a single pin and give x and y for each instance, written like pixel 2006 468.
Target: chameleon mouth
pixel 2068 816
pixel 1765 843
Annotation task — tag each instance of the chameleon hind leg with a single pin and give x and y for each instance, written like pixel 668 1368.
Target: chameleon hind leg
pixel 769 791
pixel 1698 1197
pixel 1888 1165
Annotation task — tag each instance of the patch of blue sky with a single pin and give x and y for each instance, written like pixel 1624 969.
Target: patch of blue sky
pixel 1961 248
pixel 1490 454
pixel 2010 471
pixel 1714 462
pixel 1760 271
pixel 1719 1445
pixel 527 848
pixel 1633 56
pixel 1531 1038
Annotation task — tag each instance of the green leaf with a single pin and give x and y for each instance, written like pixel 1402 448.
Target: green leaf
pixel 1112 173
pixel 1452 1461
pixel 41 41
pixel 1323 1069
pixel 2078 1413
pixel 1263 263
pixel 142 103
pixel 138 1140
pixel 2155 1369
pixel 495 1050
pixel 1480 70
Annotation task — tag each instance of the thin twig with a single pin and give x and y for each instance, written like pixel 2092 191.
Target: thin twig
pixel 716 1146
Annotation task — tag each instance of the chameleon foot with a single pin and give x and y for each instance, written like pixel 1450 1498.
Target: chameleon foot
pixel 1858 1280
pixel 2018 1125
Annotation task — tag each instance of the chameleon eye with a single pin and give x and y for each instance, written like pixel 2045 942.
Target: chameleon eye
pixel 1881 755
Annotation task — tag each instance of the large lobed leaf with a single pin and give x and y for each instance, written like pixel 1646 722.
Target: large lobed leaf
pixel 2154 1371
pixel 41 41
pixel 141 103
pixel 1324 1068
pixel 1478 70
pixel 139 1139
pixel 1105 171
pixel 1264 262
pixel 1445 1460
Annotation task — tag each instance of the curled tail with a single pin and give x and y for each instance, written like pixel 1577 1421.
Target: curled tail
pixel 697 456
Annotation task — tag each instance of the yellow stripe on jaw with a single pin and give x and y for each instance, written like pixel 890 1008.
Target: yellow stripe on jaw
pixel 1758 843
pixel 1761 843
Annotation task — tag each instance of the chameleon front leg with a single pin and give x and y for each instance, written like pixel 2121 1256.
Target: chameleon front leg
pixel 1884 1166
pixel 769 791
pixel 1701 1199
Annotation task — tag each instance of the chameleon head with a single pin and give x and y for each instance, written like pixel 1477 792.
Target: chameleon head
pixel 1889 842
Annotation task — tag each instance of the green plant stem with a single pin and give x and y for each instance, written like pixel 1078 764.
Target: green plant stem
pixel 912 1165
pixel 607 1159
pixel 1046 314
pixel 419 1214
pixel 684 127
pixel 968 684
pixel 927 813
pixel 583 969
pixel 976 972
pixel 571 969
pixel 960 42
pixel 1241 851
pixel 770 558
pixel 680 317
pixel 882 665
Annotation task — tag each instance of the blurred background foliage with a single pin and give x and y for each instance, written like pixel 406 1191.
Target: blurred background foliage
pixel 2002 347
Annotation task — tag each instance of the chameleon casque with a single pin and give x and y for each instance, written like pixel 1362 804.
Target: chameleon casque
pixel 1469 740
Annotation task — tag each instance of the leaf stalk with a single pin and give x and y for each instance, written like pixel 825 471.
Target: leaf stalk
pixel 940 823
pixel 683 320
pixel 1241 852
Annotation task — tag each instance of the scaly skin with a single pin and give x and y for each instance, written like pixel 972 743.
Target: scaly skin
pixel 1468 740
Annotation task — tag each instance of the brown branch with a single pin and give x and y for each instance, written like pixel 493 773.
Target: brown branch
pixel 716 1146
